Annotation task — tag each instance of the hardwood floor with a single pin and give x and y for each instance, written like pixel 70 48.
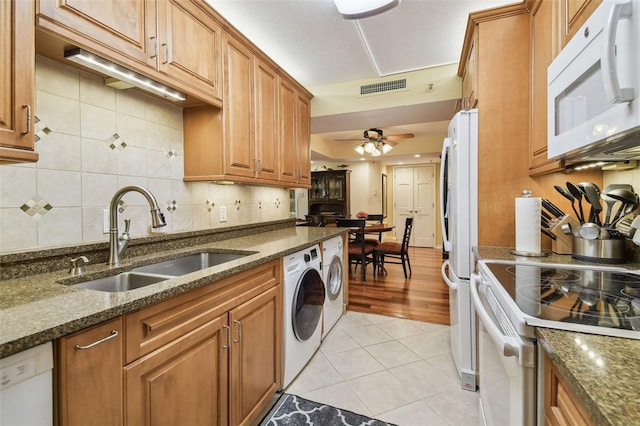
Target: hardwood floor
pixel 423 296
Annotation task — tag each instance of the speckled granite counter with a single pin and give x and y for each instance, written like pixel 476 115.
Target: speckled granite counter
pixel 36 308
pixel 602 371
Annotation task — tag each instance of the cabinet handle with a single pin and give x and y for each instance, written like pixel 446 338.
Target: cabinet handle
pixel 113 334
pixel 28 107
pixel 226 327
pixel 166 53
pixel 155 46
pixel 239 324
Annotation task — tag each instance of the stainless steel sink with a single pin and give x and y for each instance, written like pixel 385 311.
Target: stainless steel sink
pixel 187 264
pixel 159 271
pixel 121 282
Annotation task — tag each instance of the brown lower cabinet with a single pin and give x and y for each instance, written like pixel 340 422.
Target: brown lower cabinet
pixel 210 356
pixel 561 405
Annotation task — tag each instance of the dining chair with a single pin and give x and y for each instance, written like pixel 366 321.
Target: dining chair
pixel 359 252
pixel 378 219
pixel 398 252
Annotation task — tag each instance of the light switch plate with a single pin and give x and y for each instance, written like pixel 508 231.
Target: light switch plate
pixel 105 221
pixel 223 214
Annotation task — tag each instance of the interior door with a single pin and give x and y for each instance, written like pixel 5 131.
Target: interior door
pixel 414 195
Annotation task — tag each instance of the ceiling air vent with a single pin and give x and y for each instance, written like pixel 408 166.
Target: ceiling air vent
pixel 383 87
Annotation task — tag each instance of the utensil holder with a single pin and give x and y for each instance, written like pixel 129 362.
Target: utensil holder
pixel 563 244
pixel 600 251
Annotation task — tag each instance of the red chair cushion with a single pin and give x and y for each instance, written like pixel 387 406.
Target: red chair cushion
pixel 389 246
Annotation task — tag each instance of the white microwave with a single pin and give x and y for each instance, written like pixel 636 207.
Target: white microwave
pixel 594 86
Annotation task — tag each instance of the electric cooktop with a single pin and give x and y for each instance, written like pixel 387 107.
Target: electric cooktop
pixel 600 301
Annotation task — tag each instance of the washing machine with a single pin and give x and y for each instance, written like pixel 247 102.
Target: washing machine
pixel 333 274
pixel 303 302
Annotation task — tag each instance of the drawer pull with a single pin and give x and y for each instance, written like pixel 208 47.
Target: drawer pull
pixel 114 333
pixel 226 327
pixel 239 324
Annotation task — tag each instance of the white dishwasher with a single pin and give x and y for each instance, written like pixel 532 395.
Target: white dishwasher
pixel 26 387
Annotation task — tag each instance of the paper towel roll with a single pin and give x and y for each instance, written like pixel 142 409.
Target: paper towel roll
pixel 528 224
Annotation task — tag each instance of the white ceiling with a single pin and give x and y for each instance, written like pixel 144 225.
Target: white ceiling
pixel 316 46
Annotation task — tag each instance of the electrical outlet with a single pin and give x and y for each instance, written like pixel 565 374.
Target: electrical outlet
pixel 223 214
pixel 105 221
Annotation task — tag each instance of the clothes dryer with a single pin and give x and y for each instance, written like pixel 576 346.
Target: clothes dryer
pixel 333 274
pixel 303 302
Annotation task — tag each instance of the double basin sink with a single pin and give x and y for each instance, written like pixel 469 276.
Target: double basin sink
pixel 142 276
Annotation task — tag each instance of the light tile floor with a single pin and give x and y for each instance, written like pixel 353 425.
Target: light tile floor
pixel 396 370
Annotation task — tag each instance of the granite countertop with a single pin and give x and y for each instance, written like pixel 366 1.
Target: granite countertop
pixel 601 370
pixel 35 309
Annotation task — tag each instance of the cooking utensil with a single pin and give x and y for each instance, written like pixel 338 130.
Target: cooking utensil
pixel 628 198
pixel 577 194
pixel 589 231
pixel 546 215
pixel 566 228
pixel 566 194
pixel 592 195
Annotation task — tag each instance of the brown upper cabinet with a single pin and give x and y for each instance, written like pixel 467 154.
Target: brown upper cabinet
pixel 261 135
pixel 545 46
pixel 163 39
pixel 553 24
pixel 295 148
pixel 573 14
pixel 469 76
pixel 17 81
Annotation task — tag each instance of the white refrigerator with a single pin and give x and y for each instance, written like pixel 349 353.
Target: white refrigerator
pixel 459 220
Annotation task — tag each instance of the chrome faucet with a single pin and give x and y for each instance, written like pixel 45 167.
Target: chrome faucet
pixel 117 246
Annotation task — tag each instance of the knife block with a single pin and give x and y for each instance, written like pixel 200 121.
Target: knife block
pixel 563 244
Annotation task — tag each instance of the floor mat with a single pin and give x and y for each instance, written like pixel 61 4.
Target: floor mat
pixel 292 410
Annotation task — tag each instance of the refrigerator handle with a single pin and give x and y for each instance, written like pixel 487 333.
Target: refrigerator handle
pixel 443 269
pixel 444 158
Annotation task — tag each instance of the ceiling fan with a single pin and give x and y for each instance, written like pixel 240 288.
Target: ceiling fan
pixel 375 143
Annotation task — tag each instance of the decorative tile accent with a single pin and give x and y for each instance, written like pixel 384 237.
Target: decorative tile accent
pixel 36 207
pixel 237 204
pixel 209 204
pixel 41 130
pixel 116 142
pixel 172 205
pixel 277 203
pixel 259 204
pixel 171 154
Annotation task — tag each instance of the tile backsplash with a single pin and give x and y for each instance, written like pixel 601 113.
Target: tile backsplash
pixel 93 140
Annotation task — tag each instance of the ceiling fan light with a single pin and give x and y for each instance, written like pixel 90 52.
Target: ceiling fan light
pixel 376 153
pixel 369 147
pixel 358 9
pixel 386 148
pixel 359 149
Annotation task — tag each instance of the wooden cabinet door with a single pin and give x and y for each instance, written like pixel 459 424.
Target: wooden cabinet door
pixel 303 144
pixel 17 82
pixel 89 373
pixel 574 13
pixel 256 356
pixel 189 46
pixel 544 47
pixel 239 145
pixel 126 27
pixel 470 76
pixel 287 132
pixel 266 120
pixel 182 383
pixel 561 405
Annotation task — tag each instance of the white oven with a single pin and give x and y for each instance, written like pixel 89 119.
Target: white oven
pixel 594 85
pixel 511 299
pixel 507 364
